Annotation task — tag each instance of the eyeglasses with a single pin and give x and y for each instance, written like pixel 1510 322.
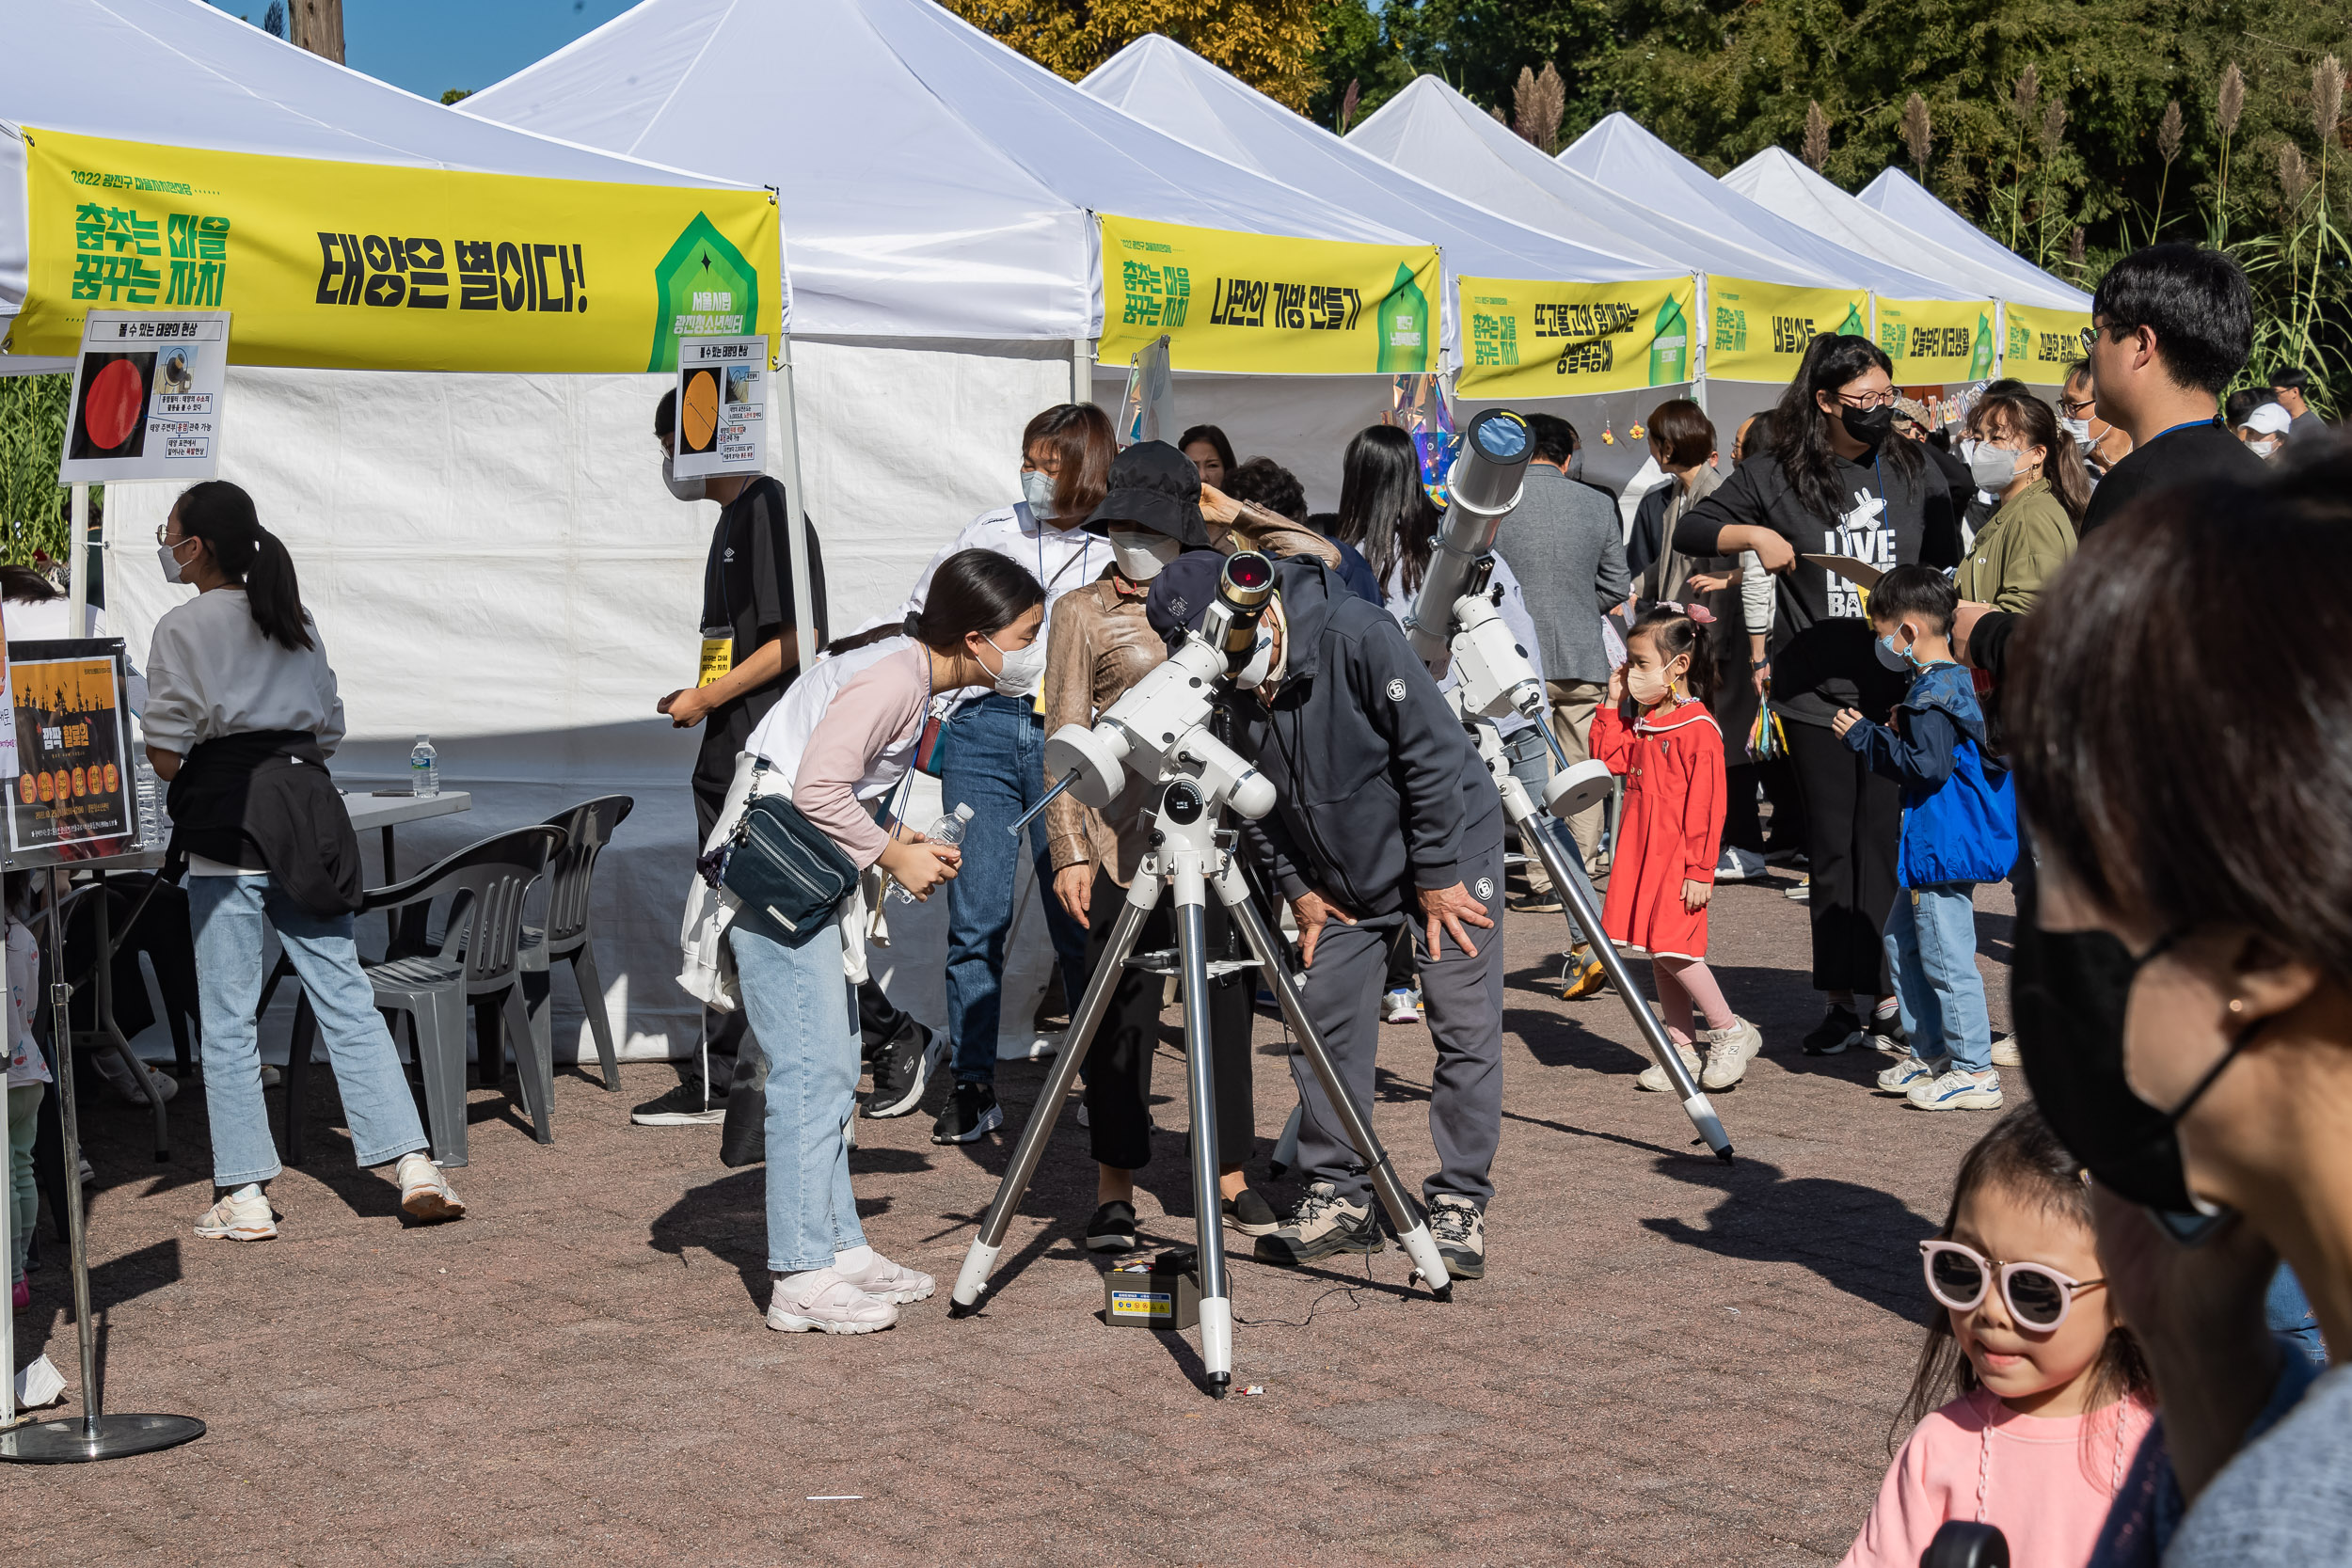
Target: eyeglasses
pixel 2038 1295
pixel 2073 408
pixel 162 536
pixel 1869 400
pixel 2091 336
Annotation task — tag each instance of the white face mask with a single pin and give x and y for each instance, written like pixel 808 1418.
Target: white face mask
pixel 1037 488
pixel 171 562
pixel 1141 553
pixel 1023 668
pixel 2078 431
pixel 684 489
pixel 1992 468
pixel 1261 663
pixel 2264 447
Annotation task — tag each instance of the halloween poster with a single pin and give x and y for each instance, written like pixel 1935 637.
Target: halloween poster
pixel 73 789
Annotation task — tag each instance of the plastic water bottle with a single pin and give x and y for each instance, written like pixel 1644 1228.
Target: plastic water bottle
pixel 425 770
pixel 948 831
pixel 154 822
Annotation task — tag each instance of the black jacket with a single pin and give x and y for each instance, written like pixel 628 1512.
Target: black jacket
pixel 269 789
pixel 1378 789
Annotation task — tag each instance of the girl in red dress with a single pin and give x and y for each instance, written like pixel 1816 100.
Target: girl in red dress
pixel 1661 871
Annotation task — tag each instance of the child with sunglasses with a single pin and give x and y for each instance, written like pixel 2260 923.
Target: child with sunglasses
pixel 2053 1394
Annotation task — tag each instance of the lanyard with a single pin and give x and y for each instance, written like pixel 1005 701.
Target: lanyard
pixel 2185 424
pixel 1086 551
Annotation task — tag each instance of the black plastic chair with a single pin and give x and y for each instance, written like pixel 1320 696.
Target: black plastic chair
pixel 476 963
pixel 587 828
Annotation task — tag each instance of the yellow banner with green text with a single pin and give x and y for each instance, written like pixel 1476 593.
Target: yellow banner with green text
pixel 1256 303
pixel 1535 340
pixel 1758 331
pixel 375 266
pixel 1936 340
pixel 2041 342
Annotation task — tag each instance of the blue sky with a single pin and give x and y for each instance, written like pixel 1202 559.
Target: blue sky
pixel 429 46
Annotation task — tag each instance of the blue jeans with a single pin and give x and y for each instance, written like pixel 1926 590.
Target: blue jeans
pixel 1932 951
pixel 993 759
pixel 229 917
pixel 797 1001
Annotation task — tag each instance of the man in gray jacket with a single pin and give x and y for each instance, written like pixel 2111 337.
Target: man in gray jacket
pixel 1567 545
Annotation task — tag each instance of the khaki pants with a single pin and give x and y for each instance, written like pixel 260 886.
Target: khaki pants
pixel 1573 704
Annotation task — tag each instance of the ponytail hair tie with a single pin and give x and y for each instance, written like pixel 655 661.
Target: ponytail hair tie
pixel 1698 612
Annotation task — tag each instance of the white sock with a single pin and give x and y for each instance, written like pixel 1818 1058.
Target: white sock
pixel 796 1278
pixel 249 1191
pixel 1885 1008
pixel 850 1259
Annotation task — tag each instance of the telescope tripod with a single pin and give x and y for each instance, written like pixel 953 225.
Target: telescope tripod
pixel 1191 856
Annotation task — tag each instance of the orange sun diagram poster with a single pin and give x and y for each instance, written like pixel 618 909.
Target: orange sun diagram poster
pixel 71 787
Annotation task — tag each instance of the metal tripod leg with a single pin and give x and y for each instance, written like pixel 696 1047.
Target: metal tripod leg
pixel 972 1279
pixel 1405 1216
pixel 1217 1303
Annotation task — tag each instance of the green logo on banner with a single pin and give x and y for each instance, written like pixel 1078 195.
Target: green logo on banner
pixel 703 288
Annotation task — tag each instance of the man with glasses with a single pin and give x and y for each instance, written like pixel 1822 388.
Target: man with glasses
pixel 2102 445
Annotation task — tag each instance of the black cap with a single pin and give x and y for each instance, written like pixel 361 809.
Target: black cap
pixel 1184 590
pixel 1154 486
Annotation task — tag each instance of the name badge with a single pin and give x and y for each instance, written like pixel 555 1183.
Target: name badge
pixel 718 654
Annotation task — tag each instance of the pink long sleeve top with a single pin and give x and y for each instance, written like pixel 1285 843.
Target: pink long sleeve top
pixel 863 743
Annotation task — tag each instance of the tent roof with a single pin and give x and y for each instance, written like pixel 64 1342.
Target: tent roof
pixel 1622 156
pixel 1163 83
pixel 932 182
pixel 1777 179
pixel 1901 198
pixel 1433 132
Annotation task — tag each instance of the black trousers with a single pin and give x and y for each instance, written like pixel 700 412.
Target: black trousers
pixel 1853 820
pixel 1744 825
pixel 1119 1067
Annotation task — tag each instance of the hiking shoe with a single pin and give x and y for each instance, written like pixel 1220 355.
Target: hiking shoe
pixel 684 1106
pixel 244 1215
pixel 1460 1232
pixel 1958 1091
pixel 887 1281
pixel 1654 1077
pixel 823 1300
pixel 2004 1052
pixel 425 1193
pixel 1320 1225
pixel 1802 893
pixel 1251 1214
pixel 1112 1228
pixel 1581 974
pixel 1885 1033
pixel 1839 1028
pixel 972 1114
pixel 902 1070
pixel 1911 1069
pixel 1401 1006
pixel 1739 865
pixel 1729 1052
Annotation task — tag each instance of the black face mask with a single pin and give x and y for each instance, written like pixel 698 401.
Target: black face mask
pixel 1868 426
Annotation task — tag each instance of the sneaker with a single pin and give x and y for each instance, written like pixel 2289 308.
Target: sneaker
pixel 1319 1225
pixel 2004 1052
pixel 1739 865
pixel 133 1091
pixel 1654 1077
pixel 1839 1028
pixel 683 1106
pixel 1802 893
pixel 244 1215
pixel 425 1193
pixel 972 1114
pixel 21 1294
pixel 1958 1091
pixel 1460 1232
pixel 1402 1007
pixel 1792 856
pixel 1885 1033
pixel 902 1070
pixel 1911 1069
pixel 1581 976
pixel 1112 1228
pixel 1537 900
pixel 1729 1052
pixel 1251 1214
pixel 823 1300
pixel 887 1281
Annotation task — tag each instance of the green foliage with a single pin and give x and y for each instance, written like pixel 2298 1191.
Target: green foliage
pixel 1479 46
pixel 32 437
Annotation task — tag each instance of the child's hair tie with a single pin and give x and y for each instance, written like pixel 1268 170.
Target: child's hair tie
pixel 1698 612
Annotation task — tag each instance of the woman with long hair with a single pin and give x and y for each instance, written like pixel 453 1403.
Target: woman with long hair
pixel 1385 511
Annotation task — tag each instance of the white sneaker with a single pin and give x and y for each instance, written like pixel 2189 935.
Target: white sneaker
pixel 424 1189
pixel 1402 1007
pixel 1739 865
pixel 823 1300
pixel 244 1215
pixel 1958 1091
pixel 1911 1069
pixel 1654 1077
pixel 1729 1052
pixel 2005 1053
pixel 887 1281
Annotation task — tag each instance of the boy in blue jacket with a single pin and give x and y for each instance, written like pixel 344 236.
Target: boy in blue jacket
pixel 1960 828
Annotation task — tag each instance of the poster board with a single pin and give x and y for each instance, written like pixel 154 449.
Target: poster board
pixel 74 798
pixel 722 406
pixel 146 398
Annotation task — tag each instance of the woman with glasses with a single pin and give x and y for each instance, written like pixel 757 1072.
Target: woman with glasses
pixel 1833 481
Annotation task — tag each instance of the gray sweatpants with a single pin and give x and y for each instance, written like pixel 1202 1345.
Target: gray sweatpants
pixel 1461 998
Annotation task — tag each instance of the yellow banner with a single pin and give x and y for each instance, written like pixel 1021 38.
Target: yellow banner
pixel 1758 331
pixel 1533 340
pixel 1936 340
pixel 1266 303
pixel 373 267
pixel 2041 342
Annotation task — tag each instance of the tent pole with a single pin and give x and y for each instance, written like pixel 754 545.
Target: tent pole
pixel 1082 370
pixel 1698 341
pixel 796 549
pixel 77 560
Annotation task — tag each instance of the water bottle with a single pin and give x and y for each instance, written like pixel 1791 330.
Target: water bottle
pixel 154 822
pixel 425 770
pixel 948 831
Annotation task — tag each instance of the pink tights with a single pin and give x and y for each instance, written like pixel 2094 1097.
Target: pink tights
pixel 1682 985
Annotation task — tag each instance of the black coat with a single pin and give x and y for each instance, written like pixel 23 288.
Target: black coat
pixel 269 789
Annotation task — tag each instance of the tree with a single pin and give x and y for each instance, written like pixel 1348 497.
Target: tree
pixel 1270 44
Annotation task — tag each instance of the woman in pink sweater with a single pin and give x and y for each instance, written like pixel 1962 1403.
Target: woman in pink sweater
pixel 978 626
pixel 2053 1396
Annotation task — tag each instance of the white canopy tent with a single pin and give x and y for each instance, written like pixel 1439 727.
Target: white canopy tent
pixel 1899 198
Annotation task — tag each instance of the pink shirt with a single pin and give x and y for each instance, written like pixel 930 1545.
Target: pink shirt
pixel 2044 1486
pixel 880 708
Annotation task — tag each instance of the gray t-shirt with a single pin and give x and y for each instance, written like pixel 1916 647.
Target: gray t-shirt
pixel 2285 1502
pixel 2305 426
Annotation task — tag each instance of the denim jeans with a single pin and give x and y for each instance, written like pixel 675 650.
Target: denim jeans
pixel 993 759
pixel 798 1002
pixel 1931 952
pixel 230 916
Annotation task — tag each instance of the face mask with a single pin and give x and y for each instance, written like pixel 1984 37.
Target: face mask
pixel 684 489
pixel 1037 488
pixel 1893 658
pixel 1253 673
pixel 1868 426
pixel 171 562
pixel 1647 687
pixel 1992 468
pixel 1968 449
pixel 1140 554
pixel 1023 668
pixel 2078 431
pixel 2262 448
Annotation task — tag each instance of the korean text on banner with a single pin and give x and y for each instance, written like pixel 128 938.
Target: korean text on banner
pixel 1936 340
pixel 1252 303
pixel 1758 331
pixel 1533 339
pixel 378 267
pixel 2041 342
